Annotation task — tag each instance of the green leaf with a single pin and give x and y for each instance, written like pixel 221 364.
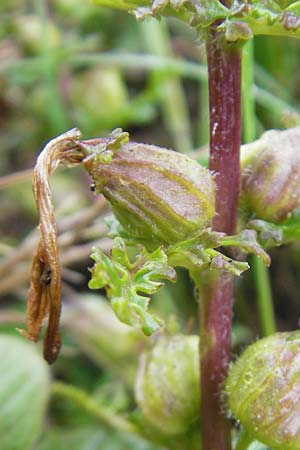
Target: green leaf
pixel 222 262
pixel 207 12
pixel 274 235
pixel 262 18
pixel 76 439
pixel 199 254
pixel 24 392
pixel 244 19
pixel 129 285
pixel 294 8
pixel 118 138
pixel 199 14
pixel 90 438
pixel 247 242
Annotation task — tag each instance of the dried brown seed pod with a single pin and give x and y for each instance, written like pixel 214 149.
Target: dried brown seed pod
pixel 45 279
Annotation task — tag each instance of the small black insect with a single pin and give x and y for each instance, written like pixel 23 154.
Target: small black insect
pixel 46 277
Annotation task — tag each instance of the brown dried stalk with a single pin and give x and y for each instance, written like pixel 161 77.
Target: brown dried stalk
pixel 45 280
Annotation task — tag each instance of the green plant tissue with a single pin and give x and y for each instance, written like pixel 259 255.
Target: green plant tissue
pixel 91 438
pixel 24 392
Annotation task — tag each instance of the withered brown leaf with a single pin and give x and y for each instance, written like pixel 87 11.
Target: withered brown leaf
pixel 45 279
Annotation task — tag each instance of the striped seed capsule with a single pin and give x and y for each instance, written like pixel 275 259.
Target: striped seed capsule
pixel 167 384
pixel 263 390
pixel 270 175
pixel 159 196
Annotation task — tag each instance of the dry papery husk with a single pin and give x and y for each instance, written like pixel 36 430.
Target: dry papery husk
pixel 45 279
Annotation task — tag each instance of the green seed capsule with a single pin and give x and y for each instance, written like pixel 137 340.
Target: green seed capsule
pixel 167 385
pixel 263 390
pixel 157 195
pixel 270 176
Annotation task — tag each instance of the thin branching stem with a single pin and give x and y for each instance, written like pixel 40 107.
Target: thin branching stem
pixel 85 402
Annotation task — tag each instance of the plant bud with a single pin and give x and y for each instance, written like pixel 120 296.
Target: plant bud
pixel 263 390
pixel 102 86
pixel 167 385
pixel 29 31
pixel 270 176
pixel 159 196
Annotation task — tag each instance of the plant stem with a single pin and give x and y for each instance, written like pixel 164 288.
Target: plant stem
pixel 260 271
pixel 203 127
pixel 168 87
pixel 216 289
pixel 216 292
pixel 55 109
pixel 268 99
pixel 264 297
pixel 249 117
pixel 103 414
pixel 225 130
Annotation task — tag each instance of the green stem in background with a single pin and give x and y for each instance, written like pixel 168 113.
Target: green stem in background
pixel 260 271
pixel 266 81
pixel 203 124
pixel 169 88
pixel 129 61
pixel 106 417
pixel 54 108
pixel 264 297
pixel 216 289
pixel 248 103
pixel 275 105
pixel 87 404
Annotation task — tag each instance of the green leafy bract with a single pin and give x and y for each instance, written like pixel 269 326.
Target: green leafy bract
pixel 202 13
pixel 247 242
pixel 199 253
pixel 261 17
pixel 274 235
pixel 240 22
pixel 129 284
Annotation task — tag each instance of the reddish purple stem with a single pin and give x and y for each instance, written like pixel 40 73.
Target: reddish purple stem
pixel 225 131
pixel 216 292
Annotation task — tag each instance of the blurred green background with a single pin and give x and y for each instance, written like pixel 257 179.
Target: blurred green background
pixel 65 64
